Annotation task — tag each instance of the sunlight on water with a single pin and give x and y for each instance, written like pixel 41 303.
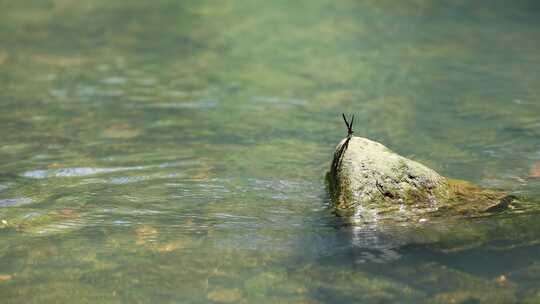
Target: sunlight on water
pixel 175 151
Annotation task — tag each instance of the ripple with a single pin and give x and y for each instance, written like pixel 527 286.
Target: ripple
pixel 177 93
pixel 285 189
pixel 15 201
pixel 66 226
pixel 129 211
pixel 199 190
pixel 59 93
pixel 280 190
pixel 74 172
pixel 123 223
pixel 88 171
pixel 88 91
pixel 279 102
pixel 128 179
pixel 116 80
pixel 147 81
pixel 199 104
pixel 113 93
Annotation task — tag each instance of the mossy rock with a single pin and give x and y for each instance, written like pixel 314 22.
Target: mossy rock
pixel 369 180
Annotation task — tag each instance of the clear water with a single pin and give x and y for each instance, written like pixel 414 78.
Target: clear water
pixel 175 151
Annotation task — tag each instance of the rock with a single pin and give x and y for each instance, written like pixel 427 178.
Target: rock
pixel 369 180
pixel 5 277
pixel 534 171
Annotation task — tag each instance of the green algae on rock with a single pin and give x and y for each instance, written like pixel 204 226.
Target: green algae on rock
pixel 370 180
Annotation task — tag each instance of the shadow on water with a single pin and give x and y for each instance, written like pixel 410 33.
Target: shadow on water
pixel 481 259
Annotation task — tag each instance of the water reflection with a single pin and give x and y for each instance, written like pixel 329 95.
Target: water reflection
pixel 15 201
pixel 73 172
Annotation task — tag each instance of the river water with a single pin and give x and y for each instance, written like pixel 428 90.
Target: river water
pixel 175 151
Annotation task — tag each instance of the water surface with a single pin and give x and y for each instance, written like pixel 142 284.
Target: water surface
pixel 175 151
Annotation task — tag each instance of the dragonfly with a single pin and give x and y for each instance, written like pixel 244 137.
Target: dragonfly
pixel 338 157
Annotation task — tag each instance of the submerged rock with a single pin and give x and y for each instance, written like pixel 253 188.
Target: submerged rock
pixel 369 180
